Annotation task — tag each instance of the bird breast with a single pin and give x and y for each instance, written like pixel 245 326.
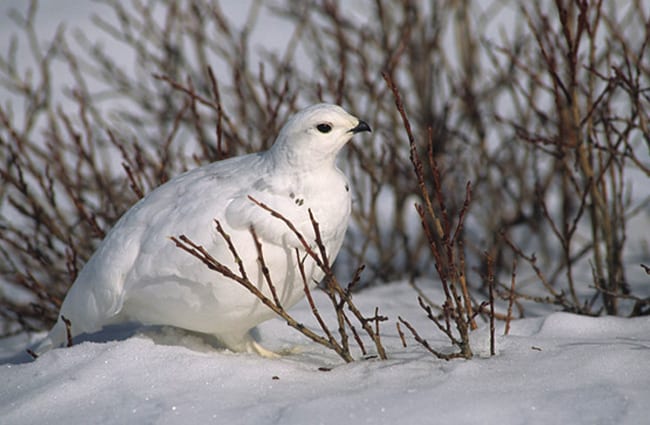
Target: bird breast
pixel 325 194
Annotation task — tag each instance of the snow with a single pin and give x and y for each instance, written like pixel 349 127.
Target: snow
pixel 561 368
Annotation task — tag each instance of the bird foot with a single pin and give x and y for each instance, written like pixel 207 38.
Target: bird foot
pixel 264 352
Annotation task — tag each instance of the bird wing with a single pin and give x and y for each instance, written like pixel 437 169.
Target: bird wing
pixel 138 249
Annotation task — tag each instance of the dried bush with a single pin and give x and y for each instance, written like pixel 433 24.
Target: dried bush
pixel 446 244
pixel 339 296
pixel 586 109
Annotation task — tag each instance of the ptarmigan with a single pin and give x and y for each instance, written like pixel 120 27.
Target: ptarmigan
pixel 138 274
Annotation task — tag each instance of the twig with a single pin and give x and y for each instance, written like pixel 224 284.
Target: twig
pixel 511 296
pixel 310 298
pixel 334 288
pixel 265 270
pixel 646 268
pixel 199 252
pixel 401 334
pixel 68 333
pixel 490 279
pixel 447 250
pixel 426 344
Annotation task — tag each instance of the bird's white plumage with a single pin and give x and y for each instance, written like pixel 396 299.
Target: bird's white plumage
pixel 138 275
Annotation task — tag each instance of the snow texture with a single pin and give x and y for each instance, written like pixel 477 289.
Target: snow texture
pixel 559 369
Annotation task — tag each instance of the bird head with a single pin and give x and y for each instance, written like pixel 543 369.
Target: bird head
pixel 315 135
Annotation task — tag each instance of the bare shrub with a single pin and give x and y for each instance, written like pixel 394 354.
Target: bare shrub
pixel 446 242
pixel 340 297
pixel 586 127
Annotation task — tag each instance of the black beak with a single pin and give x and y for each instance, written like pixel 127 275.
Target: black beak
pixel 362 126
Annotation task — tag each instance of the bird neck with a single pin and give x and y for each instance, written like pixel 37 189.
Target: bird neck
pixel 305 160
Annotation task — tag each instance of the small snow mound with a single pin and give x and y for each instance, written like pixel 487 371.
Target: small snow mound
pixel 561 325
pixel 480 342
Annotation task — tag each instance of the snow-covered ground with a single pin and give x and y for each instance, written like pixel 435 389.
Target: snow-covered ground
pixel 560 369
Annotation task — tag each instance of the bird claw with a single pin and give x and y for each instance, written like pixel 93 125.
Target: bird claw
pixel 255 347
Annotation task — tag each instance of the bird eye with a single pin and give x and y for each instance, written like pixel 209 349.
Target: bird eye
pixel 324 128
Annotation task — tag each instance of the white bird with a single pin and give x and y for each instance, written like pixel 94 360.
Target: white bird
pixel 137 274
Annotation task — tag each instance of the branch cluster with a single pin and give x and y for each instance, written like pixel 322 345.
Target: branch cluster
pixel 340 298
